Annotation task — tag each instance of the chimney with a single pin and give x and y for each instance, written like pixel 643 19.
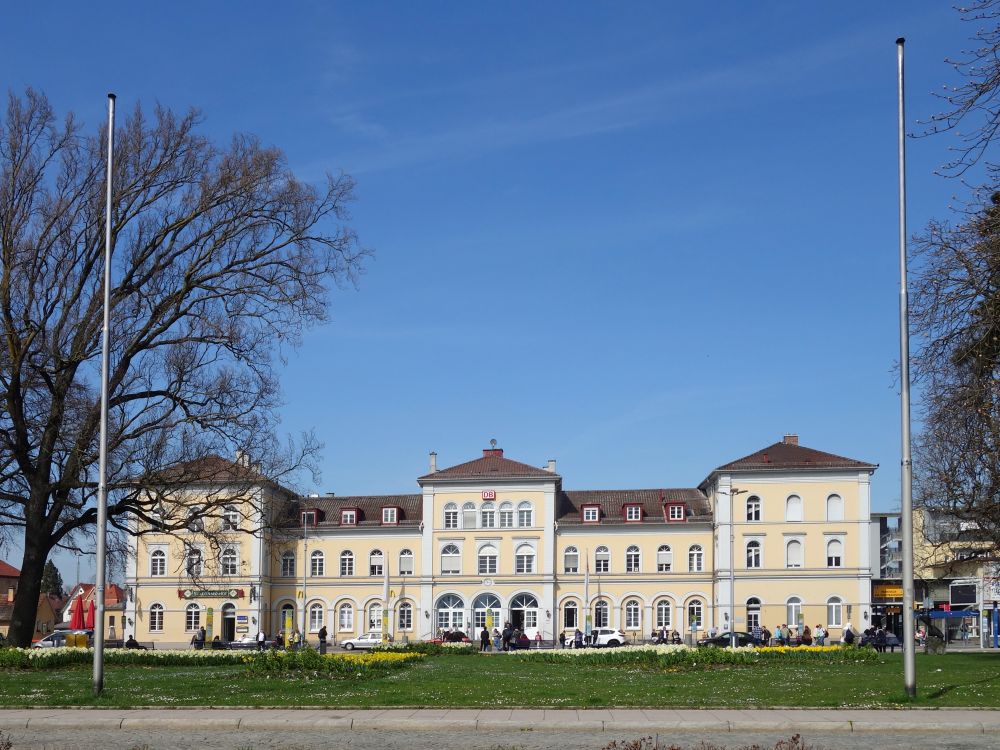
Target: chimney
pixel 551 466
pixel 434 462
pixel 495 452
pixel 791 440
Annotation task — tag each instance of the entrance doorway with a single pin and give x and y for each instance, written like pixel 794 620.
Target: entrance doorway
pixel 228 622
pixel 524 612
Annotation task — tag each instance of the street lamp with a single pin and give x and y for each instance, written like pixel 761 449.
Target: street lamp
pixel 733 492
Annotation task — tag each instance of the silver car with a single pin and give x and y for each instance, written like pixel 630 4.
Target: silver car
pixel 368 640
pixel 609 637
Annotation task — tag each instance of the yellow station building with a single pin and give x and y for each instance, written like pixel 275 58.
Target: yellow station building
pixel 494 540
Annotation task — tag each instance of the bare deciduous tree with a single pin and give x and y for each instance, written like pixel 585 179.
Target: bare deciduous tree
pixel 221 259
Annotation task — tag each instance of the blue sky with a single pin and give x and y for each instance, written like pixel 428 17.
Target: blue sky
pixel 643 239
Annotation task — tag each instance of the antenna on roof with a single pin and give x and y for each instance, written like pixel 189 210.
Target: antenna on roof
pixel 493 443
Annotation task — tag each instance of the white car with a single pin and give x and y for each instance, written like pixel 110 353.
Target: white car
pixel 368 640
pixel 58 638
pixel 609 637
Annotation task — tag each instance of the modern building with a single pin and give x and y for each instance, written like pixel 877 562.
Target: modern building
pixel 778 536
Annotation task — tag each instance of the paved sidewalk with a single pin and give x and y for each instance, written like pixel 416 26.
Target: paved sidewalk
pixel 952 721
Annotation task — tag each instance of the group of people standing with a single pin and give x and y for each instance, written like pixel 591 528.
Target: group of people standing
pixel 508 639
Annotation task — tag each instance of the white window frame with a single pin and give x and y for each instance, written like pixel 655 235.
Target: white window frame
pixel 633 615
pixel 633 512
pixel 835 612
pixel 696 613
pixel 664 558
pixel 231 566
pixel 506 515
pixel 346 563
pixel 194 570
pixel 789 563
pixel 451 516
pixel 754 509
pixel 489 555
pixel 602 614
pixel 602 560
pixel 835 507
pixel 675 513
pixel 525 515
pixel 390 516
pixel 230 518
pixel 839 558
pixel 453 555
pixel 754 549
pixel 633 559
pixel 469 516
pixel 376 563
pixel 591 514
pixel 315 617
pixel 524 560
pixel 794 511
pixel 696 559
pixel 664 613
pixel 345 618
pixel 793 608
pixel 156 611
pixel 568 554
pixel 488 516
pixel 317 564
pixel 192 618
pixel 568 621
pixel 348 518
pixel 404 616
pixel 286 571
pixel 157 556
pixel 407 569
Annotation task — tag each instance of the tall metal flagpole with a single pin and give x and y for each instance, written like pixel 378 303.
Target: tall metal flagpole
pixel 102 481
pixel 909 643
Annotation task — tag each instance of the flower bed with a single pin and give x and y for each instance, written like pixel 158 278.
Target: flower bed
pixel 53 658
pixel 339 665
pixel 676 657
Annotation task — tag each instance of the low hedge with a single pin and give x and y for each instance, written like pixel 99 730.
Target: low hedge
pixel 333 665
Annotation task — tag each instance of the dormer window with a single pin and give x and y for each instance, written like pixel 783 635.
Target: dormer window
pixel 633 512
pixel 308 518
pixel 675 512
pixel 349 517
pixel 390 516
pixel 591 513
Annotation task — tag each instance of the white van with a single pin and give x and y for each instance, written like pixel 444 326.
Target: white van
pixel 58 638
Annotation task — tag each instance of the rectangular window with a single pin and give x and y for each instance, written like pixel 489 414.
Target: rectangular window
pixel 451 564
pixel 288 566
pixel 602 564
pixel 346 565
pixel 406 565
pixel 315 619
pixel 406 618
pixel 158 564
pixel 531 618
pixel 375 565
pixel 524 518
pixel 487 565
pixel 664 560
pixel 676 512
pixel 524 563
pixel 572 562
pixel 309 518
pixel 230 519
pixel 569 617
pixel 632 562
pixel 506 519
pixel 346 618
pixel 753 509
pixel 156 619
pixel 193 619
pixel 633 513
pixel 590 514
pixel 488 519
pixel 389 515
pixel 451 519
pixel 348 518
pixel 469 518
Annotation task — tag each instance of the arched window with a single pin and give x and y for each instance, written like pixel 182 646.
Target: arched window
pixel 524 514
pixel 405 616
pixel 695 613
pixel 288 564
pixel 345 621
pixel 156 618
pixel 793 554
pixel 375 563
pixel 486 612
pixel 524 559
pixel 834 553
pixel 229 562
pixel 192 617
pixel 375 617
pixel 753 554
pixel 506 515
pixel 632 559
pixel 487 560
pixel 696 558
pixel 601 612
pixel 230 518
pixel 753 508
pixel 488 516
pixel 196 522
pixel 663 614
pixel 469 516
pixel 633 620
pixel 835 508
pixel 793 508
pixel 405 562
pixel 287 614
pixel 570 615
pixel 194 564
pixel 794 606
pixel 602 560
pixel 450 613
pixel 347 563
pixel 451 560
pixel 451 516
pixel 664 558
pixel 571 561
pixel 753 613
pixel 317 564
pixel 835 612
pixel 158 563
pixel 315 617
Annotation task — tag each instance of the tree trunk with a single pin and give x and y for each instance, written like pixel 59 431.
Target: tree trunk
pixel 29 586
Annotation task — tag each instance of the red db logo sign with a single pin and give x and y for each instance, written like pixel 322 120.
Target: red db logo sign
pixel 489 494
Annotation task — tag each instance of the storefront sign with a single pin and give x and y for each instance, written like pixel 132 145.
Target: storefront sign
pixel 888 591
pixel 210 593
pixel 489 494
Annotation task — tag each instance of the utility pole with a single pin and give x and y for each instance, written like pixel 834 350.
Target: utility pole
pixel 733 492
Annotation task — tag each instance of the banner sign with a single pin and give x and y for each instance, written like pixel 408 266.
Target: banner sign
pixel 210 593
pixel 888 591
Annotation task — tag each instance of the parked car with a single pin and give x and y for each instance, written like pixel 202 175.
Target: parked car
pixel 608 637
pixel 58 638
pixel 249 642
pixel 724 640
pixel 368 640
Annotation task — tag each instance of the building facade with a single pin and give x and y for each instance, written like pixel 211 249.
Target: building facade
pixel 779 536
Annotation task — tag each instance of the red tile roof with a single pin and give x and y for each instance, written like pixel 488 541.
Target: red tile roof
pixel 492 465
pixel 652 502
pixel 8 571
pixel 369 509
pixel 787 455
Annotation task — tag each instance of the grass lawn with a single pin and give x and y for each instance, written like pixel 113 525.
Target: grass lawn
pixel 951 680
